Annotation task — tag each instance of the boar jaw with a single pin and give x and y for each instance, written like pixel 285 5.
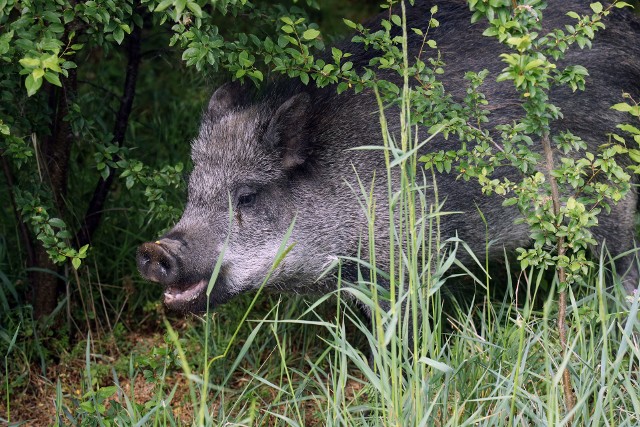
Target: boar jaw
pixel 176 296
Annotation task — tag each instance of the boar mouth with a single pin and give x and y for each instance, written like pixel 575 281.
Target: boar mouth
pixel 184 294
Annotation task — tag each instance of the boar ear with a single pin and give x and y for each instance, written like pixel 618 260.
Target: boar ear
pixel 287 130
pixel 227 97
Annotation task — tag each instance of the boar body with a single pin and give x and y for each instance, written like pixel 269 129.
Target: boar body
pixel 288 154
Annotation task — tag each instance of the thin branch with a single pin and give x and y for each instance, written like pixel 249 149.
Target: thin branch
pixel 495 144
pixel 548 153
pixel 569 397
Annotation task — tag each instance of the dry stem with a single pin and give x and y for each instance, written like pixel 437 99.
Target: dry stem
pixel 569 398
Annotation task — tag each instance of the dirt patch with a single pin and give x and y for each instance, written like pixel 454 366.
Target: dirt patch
pixel 35 405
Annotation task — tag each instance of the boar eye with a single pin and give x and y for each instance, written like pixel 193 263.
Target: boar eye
pixel 246 200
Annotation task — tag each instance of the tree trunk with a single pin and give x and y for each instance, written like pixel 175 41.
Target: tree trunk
pixel 96 204
pixel 55 151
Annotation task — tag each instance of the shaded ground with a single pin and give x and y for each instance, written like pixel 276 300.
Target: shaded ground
pixel 36 405
pixel 143 352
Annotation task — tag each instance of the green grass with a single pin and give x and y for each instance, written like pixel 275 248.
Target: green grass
pixel 491 363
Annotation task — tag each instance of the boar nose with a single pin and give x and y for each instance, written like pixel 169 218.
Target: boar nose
pixel 156 263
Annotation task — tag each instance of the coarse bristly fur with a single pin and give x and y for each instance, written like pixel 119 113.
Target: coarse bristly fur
pixel 286 155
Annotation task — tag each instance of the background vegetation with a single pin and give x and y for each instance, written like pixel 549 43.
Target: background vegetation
pixel 99 102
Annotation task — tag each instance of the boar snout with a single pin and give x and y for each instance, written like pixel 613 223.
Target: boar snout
pixel 156 263
pixel 185 287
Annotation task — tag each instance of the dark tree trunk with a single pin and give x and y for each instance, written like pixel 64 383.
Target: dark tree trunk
pixel 55 151
pixel 96 205
pixel 44 283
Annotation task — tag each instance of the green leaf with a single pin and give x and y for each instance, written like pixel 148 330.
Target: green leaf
pixel 118 35
pixel 30 62
pixel 579 69
pixel 490 32
pixel 635 155
pixel 32 84
pixel 51 16
pixel 257 74
pixel 37 73
pixel 180 5
pixel 65 234
pixel 534 64
pixel 282 41
pixel 112 148
pixel 510 202
pixel 57 222
pixel 629 128
pixel 163 5
pixel 68 16
pixel 195 9
pixel 596 7
pixel 286 20
pixel 349 23
pixel 244 60
pixel 105 392
pixel 88 405
pixel 621 107
pixel 76 265
pixel 310 34
pixel 618 138
pixel 52 78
